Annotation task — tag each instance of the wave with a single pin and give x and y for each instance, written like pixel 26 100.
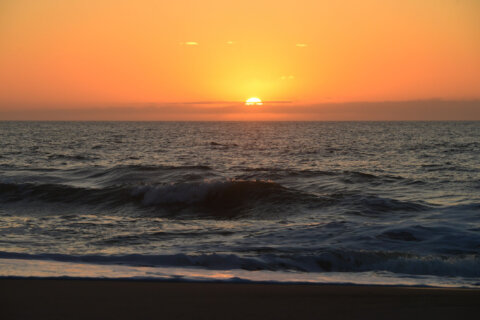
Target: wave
pixel 234 190
pixel 106 177
pixel 226 198
pixel 130 174
pixel 135 174
pixel 219 198
pixel 10 192
pixel 356 177
pixel 223 198
pixel 333 261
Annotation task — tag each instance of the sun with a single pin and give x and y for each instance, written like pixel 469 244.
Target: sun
pixel 253 102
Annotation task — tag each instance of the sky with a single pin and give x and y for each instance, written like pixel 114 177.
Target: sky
pixel 200 60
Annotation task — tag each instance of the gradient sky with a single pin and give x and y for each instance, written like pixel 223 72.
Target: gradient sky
pixel 199 60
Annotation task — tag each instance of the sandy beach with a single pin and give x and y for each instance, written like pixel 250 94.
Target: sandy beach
pixel 98 299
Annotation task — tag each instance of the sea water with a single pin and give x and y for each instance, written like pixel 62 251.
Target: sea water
pixel 316 202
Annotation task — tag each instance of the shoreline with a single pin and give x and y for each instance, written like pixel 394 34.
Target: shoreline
pixel 140 299
pixel 61 270
pixel 239 281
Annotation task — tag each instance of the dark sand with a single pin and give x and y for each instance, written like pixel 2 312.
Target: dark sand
pixel 78 299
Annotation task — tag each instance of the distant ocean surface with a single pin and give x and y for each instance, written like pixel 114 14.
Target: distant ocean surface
pixel 315 202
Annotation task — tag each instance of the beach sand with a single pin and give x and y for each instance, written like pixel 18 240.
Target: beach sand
pixel 108 299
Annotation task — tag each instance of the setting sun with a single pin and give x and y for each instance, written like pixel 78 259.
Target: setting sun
pixel 253 102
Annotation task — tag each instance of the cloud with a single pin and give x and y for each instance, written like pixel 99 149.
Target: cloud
pixel 189 43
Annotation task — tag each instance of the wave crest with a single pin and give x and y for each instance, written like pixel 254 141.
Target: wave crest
pixel 226 198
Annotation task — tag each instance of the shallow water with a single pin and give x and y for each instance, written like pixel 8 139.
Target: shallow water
pixel 298 198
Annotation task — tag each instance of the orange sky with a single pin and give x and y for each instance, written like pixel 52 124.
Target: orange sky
pixel 150 59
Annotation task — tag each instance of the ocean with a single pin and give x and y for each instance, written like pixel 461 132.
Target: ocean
pixel 388 203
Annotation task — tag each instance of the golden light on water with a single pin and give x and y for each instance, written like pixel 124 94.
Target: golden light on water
pixel 254 101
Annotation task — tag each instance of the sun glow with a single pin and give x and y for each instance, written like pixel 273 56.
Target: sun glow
pixel 253 102
pixel 199 60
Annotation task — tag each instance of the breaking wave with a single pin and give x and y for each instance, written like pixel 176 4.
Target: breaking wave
pixel 226 198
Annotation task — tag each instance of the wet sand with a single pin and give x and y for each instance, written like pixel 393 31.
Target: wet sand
pixel 99 299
